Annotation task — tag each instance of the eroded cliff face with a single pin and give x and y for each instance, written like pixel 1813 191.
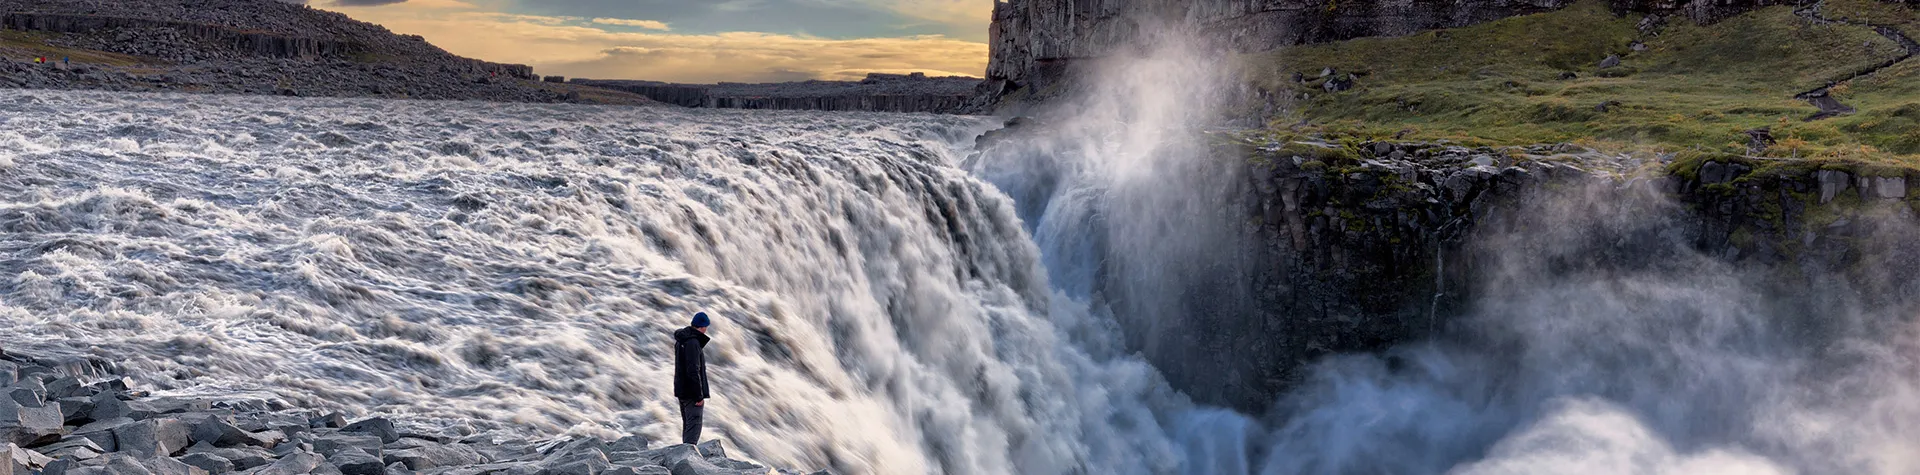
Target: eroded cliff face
pixel 1362 247
pixel 1037 44
pixel 1388 244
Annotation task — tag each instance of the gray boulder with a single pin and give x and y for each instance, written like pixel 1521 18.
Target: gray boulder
pixel 26 424
pixel 582 465
pixel 628 444
pixel 353 461
pixel 213 464
pixel 77 410
pixel 101 432
pixel 60 467
pixel 115 385
pixel 152 438
pixel 333 421
pixel 1611 61
pixel 64 387
pixel 149 408
pixel 645 470
pixel 221 433
pixel 28 391
pixel 126 464
pixel 107 406
pixel 293 464
pixel 328 445
pixel 14 459
pixel 242 458
pixel 699 466
pixel 433 456
pixel 77 448
pixel 169 466
pixel 712 448
pixel 669 455
pixel 731 464
pixel 377 426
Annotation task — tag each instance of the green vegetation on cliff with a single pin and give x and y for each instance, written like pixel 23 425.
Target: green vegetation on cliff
pixel 1691 89
pixel 24 45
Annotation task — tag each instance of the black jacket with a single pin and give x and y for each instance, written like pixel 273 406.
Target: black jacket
pixel 690 364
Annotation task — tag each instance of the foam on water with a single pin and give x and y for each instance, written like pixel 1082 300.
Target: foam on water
pixel 1600 338
pixel 517 268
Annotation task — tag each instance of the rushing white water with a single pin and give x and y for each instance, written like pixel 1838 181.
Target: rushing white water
pixel 1599 340
pixel 518 268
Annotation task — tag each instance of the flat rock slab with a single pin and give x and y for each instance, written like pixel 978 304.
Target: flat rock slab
pixel 213 464
pixel 327 445
pixel 354 461
pixel 38 415
pixel 434 456
pixel 152 438
pixel 647 470
pixel 712 448
pixel 19 459
pixel 224 434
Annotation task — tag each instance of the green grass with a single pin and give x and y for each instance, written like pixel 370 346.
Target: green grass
pixel 25 45
pixel 1875 12
pixel 1695 89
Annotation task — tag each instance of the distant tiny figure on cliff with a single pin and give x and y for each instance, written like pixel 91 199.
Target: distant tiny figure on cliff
pixel 690 375
pixel 39 60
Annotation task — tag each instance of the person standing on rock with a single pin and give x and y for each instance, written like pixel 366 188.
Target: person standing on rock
pixel 690 375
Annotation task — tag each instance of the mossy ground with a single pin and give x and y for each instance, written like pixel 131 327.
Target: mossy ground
pixel 1694 90
pixel 24 46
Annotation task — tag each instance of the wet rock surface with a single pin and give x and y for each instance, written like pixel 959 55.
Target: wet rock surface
pixel 1358 247
pixel 210 435
pixel 1379 247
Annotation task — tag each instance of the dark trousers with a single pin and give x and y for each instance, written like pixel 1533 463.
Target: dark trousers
pixel 690 418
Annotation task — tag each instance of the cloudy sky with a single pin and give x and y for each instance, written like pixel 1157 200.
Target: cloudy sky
pixel 699 40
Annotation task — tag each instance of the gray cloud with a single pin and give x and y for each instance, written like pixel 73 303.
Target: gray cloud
pixel 365 3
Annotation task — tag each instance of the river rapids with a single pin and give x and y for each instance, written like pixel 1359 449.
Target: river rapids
pixel 885 301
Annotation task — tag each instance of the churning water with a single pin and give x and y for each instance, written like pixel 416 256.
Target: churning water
pixel 882 305
pixel 519 268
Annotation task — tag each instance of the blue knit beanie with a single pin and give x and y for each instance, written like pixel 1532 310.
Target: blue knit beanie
pixel 700 320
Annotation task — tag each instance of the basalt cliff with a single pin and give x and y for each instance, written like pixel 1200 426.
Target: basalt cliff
pixel 1398 148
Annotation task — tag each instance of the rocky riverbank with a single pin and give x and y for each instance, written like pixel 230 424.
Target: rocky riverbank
pixel 72 415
